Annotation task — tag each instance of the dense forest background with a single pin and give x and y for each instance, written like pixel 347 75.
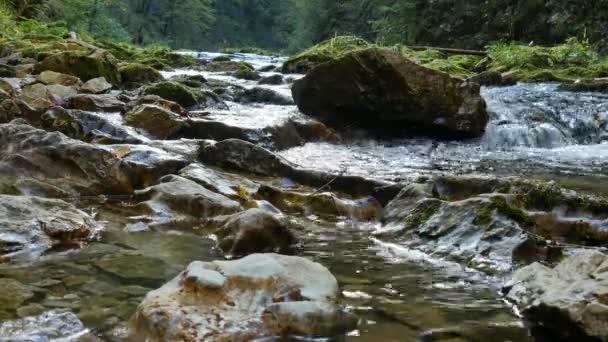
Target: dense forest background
pixel 290 25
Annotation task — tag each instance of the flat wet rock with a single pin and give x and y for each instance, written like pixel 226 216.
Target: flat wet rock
pixel 33 224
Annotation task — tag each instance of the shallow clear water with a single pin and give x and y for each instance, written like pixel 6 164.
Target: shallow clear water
pixel 397 293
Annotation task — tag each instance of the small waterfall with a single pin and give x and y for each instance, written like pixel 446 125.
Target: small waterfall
pixel 540 116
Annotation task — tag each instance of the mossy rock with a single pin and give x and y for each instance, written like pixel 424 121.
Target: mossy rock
pixel 221 59
pixel 175 92
pixel 499 205
pixel 84 66
pixel 134 75
pixel 155 63
pixel 422 213
pixel 229 66
pixel 247 74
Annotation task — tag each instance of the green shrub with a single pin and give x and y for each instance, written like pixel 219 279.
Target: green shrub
pixel 8 28
pixel 34 27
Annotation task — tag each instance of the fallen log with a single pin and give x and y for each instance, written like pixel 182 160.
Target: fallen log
pixel 450 51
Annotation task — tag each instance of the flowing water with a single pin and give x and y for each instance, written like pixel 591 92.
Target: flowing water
pixel 398 293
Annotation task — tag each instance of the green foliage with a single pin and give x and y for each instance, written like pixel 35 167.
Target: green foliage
pixel 7 23
pixel 571 60
pixel 34 27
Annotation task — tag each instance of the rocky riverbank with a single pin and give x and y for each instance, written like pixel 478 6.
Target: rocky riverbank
pixel 117 178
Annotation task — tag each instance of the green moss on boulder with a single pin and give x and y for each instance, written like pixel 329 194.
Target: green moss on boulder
pixel 323 52
pixel 82 65
pixel 175 92
pixel 135 75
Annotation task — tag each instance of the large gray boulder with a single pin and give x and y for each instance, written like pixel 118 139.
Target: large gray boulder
pixel 569 300
pixel 380 90
pixel 257 296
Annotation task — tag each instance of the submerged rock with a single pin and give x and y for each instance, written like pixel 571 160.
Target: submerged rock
pixel 285 135
pixel 261 95
pixel 254 231
pixel 49 326
pixel 592 85
pixel 187 97
pixel 136 267
pixel 28 224
pixel 378 89
pixel 569 301
pixel 175 92
pixel 322 204
pixel 246 74
pixel 13 293
pixel 272 80
pixel 262 295
pixel 238 155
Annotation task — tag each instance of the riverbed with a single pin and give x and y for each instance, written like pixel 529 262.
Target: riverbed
pixel 399 294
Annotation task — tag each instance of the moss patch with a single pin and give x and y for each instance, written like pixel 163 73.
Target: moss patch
pixel 500 206
pixel 422 213
pixel 82 65
pixel 175 92
pixel 324 52
pixel 135 74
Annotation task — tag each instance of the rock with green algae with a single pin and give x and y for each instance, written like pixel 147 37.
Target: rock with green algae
pixel 135 75
pixel 85 66
pixel 175 92
pixel 228 66
pixel 247 74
